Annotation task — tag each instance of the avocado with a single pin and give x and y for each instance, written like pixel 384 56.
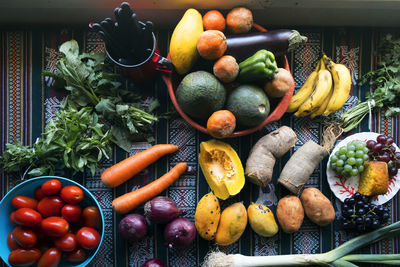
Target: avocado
pixel 200 94
pixel 249 104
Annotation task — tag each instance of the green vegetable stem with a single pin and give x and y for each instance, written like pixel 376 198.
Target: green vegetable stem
pixel 259 67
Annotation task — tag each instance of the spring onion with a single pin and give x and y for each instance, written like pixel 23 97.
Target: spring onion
pixel 335 258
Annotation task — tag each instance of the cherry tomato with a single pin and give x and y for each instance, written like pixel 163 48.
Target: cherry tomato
pixel 24 257
pixel 91 217
pixel 24 202
pixel 50 206
pixel 55 226
pixel 27 217
pixel 71 212
pixel 66 243
pixel 12 244
pixel 24 237
pixel 51 187
pixel 38 193
pixel 88 237
pixel 72 194
pixel 12 218
pixel 51 258
pixel 76 256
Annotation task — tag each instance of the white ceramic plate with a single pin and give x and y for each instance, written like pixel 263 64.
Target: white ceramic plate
pixel 344 187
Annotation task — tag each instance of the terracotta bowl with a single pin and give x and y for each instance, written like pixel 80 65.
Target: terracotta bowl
pixel 281 104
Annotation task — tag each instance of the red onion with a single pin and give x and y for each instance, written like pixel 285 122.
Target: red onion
pixel 161 210
pixel 179 233
pixel 133 227
pixel 153 263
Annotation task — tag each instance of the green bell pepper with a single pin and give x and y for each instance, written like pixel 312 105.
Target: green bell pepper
pixel 259 67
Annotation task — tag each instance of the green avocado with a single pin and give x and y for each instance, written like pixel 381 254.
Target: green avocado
pixel 200 94
pixel 249 104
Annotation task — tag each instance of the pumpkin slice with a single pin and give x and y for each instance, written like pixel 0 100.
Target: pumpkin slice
pixel 222 168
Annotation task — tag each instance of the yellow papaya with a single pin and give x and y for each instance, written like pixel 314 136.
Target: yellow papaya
pixel 183 44
pixel 222 168
pixel 232 224
pixel 262 220
pixel 206 218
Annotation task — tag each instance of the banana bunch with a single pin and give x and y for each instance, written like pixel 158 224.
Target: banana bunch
pixel 324 92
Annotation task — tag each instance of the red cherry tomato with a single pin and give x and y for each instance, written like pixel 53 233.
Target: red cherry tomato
pixel 24 257
pixel 24 237
pixel 51 258
pixel 38 193
pixel 66 243
pixel 12 218
pixel 24 202
pixel 55 226
pixel 50 206
pixel 51 187
pixel 12 244
pixel 72 194
pixel 76 256
pixel 27 217
pixel 71 212
pixel 88 237
pixel 91 217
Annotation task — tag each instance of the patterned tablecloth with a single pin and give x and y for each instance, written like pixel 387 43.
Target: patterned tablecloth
pixel 28 102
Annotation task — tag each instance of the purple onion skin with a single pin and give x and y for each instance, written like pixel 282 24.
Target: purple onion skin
pixel 153 263
pixel 179 233
pixel 133 227
pixel 161 210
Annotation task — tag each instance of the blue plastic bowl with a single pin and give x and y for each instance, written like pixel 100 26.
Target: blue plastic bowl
pixel 27 188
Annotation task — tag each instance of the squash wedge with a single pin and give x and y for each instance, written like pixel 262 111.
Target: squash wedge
pixel 222 168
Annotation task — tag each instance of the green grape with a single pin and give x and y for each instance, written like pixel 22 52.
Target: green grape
pixel 351 147
pixel 337 153
pixel 333 165
pixel 347 168
pixel 334 158
pixel 359 162
pixel 350 153
pixel 364 144
pixel 351 161
pixel 359 146
pixel 339 169
pixel 354 172
pixel 342 150
pixel 340 163
pixel 345 174
pixel 366 150
pixel 359 154
pixel 360 168
pixel 365 157
pixel 343 157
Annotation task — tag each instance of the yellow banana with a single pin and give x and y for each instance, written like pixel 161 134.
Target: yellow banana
pixel 322 88
pixel 305 91
pixel 322 108
pixel 341 86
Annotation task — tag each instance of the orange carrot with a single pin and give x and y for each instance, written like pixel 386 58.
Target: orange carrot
pixel 126 169
pixel 132 200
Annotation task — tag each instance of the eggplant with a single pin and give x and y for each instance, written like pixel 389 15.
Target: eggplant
pixel 279 42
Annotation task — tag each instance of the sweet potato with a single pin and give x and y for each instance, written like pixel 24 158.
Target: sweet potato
pixel 301 165
pixel 290 214
pixel 261 161
pixel 317 207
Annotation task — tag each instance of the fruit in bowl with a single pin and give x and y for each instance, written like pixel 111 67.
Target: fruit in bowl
pixel 50 217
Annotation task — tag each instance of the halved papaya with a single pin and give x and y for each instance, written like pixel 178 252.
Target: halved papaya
pixel 222 168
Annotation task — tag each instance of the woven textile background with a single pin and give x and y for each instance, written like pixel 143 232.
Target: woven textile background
pixel 28 102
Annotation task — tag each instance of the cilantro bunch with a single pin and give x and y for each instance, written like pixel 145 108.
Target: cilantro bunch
pixel 386 83
pixel 95 114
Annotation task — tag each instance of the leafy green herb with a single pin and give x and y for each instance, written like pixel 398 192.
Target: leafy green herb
pixel 74 139
pixel 386 82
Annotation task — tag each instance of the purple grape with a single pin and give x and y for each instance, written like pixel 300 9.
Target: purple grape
pixel 397 155
pixel 371 144
pixel 378 147
pixel 381 139
pixel 389 141
pixel 392 171
pixel 385 157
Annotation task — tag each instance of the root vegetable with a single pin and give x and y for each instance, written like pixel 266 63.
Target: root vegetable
pixel 290 214
pixel 261 161
pixel 317 207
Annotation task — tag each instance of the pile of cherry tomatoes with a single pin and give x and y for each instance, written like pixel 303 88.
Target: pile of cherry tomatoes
pixel 52 224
